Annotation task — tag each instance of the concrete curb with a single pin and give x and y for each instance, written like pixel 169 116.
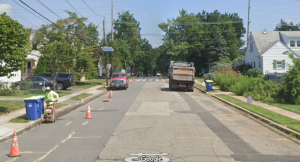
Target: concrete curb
pixel 60 112
pixel 282 128
pixel 203 91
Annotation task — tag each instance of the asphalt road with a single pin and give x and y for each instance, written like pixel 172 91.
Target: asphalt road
pixel 149 119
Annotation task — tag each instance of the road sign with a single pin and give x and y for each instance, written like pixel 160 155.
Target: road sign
pixel 107 49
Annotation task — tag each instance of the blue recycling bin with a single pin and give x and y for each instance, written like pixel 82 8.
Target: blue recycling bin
pixel 32 108
pixel 42 105
pixel 209 85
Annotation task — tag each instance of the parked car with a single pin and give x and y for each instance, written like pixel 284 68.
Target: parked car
pixel 119 80
pixel 35 82
pixel 64 80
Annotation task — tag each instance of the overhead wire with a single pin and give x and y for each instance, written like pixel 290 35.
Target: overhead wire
pixel 48 8
pixel 30 12
pixel 74 8
pixel 91 9
pixel 20 15
pixel 38 13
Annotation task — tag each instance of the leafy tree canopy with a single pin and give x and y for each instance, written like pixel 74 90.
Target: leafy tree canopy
pixel 14 45
pixel 285 26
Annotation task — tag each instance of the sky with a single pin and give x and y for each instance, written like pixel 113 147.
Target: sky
pixel 264 14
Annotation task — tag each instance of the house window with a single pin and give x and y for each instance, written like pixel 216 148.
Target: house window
pixel 298 43
pixel 292 43
pixel 251 47
pixel 278 64
pixel 28 65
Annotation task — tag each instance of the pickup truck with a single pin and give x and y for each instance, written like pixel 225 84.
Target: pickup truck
pixel 182 75
pixel 64 80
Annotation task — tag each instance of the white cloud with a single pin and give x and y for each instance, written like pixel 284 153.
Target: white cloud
pixel 5 8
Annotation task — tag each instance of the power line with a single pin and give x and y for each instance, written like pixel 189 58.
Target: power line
pixel 20 16
pixel 38 13
pixel 74 8
pixel 91 9
pixel 48 8
pixel 30 12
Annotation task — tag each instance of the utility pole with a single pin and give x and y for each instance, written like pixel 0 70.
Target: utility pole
pixel 106 68
pixel 112 20
pixel 248 23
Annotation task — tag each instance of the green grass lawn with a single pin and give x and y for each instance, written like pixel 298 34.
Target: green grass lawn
pixel 20 119
pixel 88 84
pixel 81 96
pixel 288 107
pixel 202 87
pixel 29 93
pixel 200 79
pixel 278 118
pixel 101 88
pixel 9 106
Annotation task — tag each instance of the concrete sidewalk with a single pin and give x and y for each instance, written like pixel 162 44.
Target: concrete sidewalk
pixel 256 103
pixel 7 129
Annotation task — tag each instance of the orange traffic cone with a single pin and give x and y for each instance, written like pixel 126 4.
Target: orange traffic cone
pixel 133 78
pixel 110 96
pixel 14 151
pixel 88 113
pixel 131 81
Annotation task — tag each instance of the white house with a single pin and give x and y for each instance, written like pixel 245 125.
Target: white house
pixel 15 76
pixel 265 50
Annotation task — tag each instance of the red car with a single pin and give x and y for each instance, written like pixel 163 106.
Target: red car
pixel 119 80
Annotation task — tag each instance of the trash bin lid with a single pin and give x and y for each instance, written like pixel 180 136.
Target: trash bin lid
pixel 209 81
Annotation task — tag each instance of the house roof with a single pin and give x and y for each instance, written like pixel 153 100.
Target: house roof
pixel 291 34
pixel 265 40
pixel 33 55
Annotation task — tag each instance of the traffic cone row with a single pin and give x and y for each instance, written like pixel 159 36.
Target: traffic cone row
pixel 88 113
pixel 14 151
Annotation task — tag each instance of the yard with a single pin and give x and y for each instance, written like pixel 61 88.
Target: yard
pixel 88 84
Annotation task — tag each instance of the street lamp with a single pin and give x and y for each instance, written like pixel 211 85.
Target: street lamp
pixel 106 49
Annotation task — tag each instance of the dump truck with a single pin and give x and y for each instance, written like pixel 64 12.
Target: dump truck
pixel 181 75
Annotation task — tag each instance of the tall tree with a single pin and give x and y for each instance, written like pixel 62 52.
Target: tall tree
pixel 57 55
pixel 285 26
pixel 196 37
pixel 14 45
pixel 73 31
pixel 127 34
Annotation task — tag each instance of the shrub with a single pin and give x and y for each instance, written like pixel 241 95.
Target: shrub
pixel 243 85
pixel 227 70
pixel 225 80
pixel 255 73
pixel 291 81
pixel 209 76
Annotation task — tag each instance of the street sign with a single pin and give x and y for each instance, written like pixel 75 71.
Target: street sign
pixel 107 49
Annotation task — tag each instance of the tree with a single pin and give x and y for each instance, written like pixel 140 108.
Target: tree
pixel 128 37
pixel 202 38
pixel 75 32
pixel 291 81
pixel 57 55
pixel 285 26
pixel 115 57
pixel 14 45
